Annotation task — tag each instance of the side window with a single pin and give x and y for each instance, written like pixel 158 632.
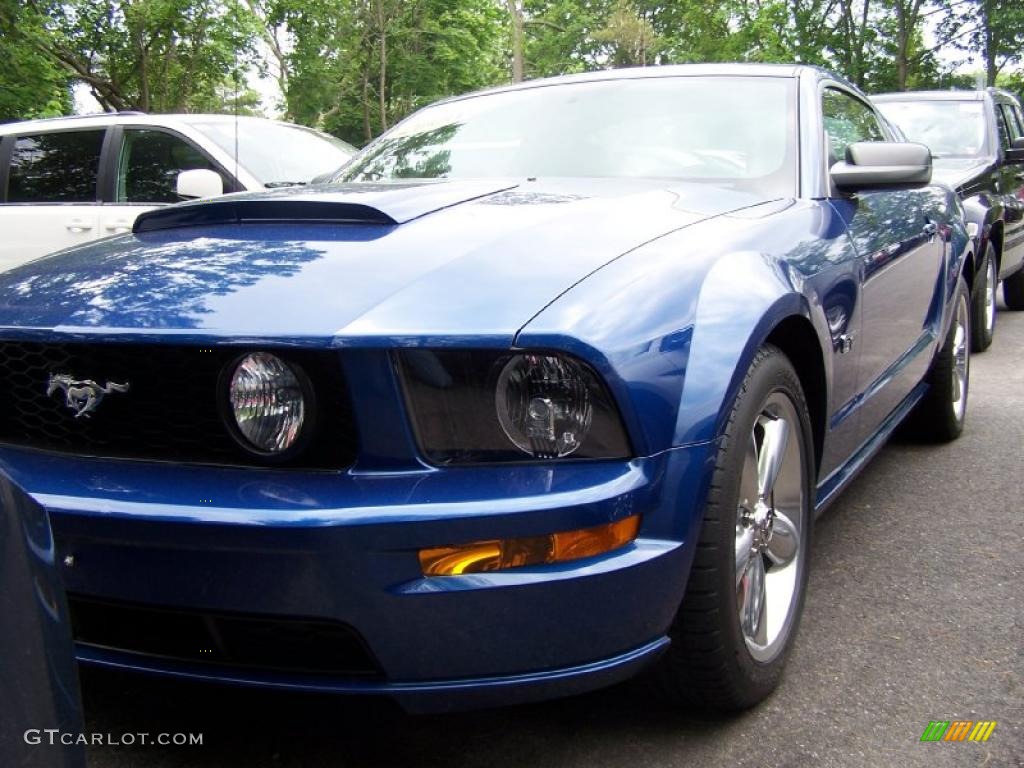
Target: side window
pixel 149 164
pixel 1013 123
pixel 1002 128
pixel 847 120
pixel 55 167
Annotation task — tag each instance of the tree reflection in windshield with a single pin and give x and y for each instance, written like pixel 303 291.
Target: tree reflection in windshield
pixel 416 156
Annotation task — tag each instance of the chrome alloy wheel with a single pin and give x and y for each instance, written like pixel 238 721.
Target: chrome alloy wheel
pixel 990 296
pixel 769 544
pixel 961 358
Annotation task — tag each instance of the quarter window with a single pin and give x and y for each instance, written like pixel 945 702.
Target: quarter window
pixel 150 162
pixel 55 167
pixel 1002 129
pixel 847 120
pixel 1012 121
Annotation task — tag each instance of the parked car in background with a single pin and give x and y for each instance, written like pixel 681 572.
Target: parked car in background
pixel 37 666
pixel 67 181
pixel 977 143
pixel 547 388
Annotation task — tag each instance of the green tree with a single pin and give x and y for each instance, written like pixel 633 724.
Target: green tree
pixel 151 55
pixel 991 29
pixel 31 85
pixel 559 36
pixel 629 37
pixel 356 68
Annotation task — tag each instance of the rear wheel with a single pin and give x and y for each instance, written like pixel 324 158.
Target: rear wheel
pixel 1013 290
pixel 983 303
pixel 939 417
pixel 746 589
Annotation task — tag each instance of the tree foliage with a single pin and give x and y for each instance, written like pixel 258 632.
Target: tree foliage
pixel 31 84
pixel 150 55
pixel 356 67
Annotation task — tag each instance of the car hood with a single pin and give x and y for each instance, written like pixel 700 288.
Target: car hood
pixel 957 172
pixel 352 264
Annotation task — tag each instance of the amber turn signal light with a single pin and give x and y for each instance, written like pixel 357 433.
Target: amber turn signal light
pixel 499 554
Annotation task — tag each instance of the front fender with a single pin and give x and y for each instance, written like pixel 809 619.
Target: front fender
pixel 983 212
pixel 674 325
pixel 744 298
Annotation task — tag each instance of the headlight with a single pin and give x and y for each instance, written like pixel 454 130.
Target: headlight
pixel 543 405
pixel 267 399
pixel 474 406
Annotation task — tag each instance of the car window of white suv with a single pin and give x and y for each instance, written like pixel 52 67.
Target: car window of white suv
pixel 149 164
pixel 59 167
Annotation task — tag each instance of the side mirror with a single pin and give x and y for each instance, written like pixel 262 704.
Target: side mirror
pixel 883 165
pixel 1015 154
pixel 199 183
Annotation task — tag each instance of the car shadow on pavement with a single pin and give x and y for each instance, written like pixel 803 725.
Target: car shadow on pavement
pixel 255 727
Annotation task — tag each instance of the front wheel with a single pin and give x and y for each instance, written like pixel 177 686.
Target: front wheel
pixel 746 588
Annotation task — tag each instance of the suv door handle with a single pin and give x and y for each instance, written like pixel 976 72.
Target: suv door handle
pixel 79 225
pixel 119 226
pixel 930 229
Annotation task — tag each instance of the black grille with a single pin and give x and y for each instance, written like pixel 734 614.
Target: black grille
pixel 171 411
pixel 225 639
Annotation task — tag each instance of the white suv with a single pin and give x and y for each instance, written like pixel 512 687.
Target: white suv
pixel 69 180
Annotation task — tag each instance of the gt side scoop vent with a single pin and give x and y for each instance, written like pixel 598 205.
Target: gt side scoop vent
pixel 263 211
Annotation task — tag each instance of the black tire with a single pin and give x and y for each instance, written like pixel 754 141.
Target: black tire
pixel 1013 290
pixel 983 302
pixel 939 417
pixel 710 663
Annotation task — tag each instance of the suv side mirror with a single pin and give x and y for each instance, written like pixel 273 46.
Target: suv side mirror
pixel 883 165
pixel 1015 154
pixel 199 183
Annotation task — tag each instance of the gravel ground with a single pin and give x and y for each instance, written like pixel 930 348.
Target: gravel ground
pixel 914 613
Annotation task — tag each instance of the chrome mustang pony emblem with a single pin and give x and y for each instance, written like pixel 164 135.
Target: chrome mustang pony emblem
pixel 82 397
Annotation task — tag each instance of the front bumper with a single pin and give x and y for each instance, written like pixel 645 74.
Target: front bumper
pixel 343 547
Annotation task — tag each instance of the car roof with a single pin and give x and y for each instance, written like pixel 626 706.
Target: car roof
pixel 930 96
pixel 104 119
pixel 664 70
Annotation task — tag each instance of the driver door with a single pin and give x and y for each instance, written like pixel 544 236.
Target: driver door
pixel 896 235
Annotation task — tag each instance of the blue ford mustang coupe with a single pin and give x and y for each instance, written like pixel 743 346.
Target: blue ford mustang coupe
pixel 546 387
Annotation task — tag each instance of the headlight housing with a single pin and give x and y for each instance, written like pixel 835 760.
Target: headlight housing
pixel 269 404
pixel 476 406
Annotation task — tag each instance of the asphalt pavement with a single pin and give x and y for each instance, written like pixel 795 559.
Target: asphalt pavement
pixel 915 612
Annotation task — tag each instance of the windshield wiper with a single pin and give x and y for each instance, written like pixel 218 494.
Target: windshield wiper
pixel 275 184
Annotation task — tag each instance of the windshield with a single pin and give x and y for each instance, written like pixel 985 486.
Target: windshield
pixel 948 128
pixel 736 132
pixel 279 154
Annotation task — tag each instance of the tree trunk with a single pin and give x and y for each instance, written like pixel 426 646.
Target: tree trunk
pixel 382 85
pixel 991 70
pixel 517 39
pixel 269 34
pixel 367 129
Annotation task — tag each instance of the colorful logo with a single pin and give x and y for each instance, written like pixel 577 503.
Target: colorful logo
pixel 958 730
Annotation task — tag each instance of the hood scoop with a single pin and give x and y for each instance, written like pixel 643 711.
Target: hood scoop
pixel 368 204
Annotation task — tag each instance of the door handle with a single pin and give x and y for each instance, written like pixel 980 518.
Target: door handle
pixel 79 225
pixel 930 229
pixel 119 226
